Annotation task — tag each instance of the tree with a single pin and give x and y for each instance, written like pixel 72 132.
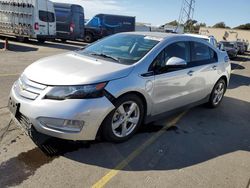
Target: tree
pixel 173 23
pixel 197 27
pixel 244 26
pixel 220 25
pixel 189 26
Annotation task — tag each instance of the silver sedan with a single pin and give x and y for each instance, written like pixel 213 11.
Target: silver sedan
pixel 115 85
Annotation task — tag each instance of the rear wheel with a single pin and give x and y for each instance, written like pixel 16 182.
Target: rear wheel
pixel 63 40
pixel 41 41
pixel 22 39
pixel 88 38
pixel 124 120
pixel 217 94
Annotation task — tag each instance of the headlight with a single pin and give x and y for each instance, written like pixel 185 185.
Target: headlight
pixel 76 92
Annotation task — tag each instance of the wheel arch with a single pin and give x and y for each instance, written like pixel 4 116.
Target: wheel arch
pixel 140 95
pixel 224 78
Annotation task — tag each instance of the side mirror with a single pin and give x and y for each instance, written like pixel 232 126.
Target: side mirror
pixel 176 62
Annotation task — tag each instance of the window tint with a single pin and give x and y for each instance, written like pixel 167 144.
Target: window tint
pixel 46 16
pixel 202 54
pixel 178 49
pixel 94 22
pixel 62 15
pixel 127 48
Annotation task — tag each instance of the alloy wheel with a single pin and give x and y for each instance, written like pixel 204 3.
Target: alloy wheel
pixel 125 119
pixel 218 93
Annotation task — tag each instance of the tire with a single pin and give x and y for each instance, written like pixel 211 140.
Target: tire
pixel 117 126
pixel 41 41
pixel 22 39
pixel 217 94
pixel 88 38
pixel 64 40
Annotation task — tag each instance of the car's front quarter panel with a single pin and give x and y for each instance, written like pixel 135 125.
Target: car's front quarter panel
pixel 85 110
pixel 133 83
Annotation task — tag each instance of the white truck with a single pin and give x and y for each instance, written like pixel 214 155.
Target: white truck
pixel 26 19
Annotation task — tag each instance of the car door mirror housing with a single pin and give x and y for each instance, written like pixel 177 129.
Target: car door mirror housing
pixel 176 62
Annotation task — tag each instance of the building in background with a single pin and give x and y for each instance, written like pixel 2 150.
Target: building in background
pixel 226 34
pixel 174 29
pixel 142 26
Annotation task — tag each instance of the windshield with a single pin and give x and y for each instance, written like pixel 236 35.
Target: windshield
pixel 94 22
pixel 229 45
pixel 122 48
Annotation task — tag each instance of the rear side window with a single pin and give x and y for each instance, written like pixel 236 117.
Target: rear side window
pixel 46 16
pixel 202 54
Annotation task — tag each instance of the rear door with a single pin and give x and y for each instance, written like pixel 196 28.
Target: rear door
pixel 204 63
pixel 46 18
pixel 42 17
pixel 63 16
pixel 78 21
pixel 51 19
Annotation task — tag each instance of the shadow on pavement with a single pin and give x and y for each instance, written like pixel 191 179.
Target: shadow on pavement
pixel 236 66
pixel 245 57
pixel 238 80
pixel 18 48
pixel 59 45
pixel 201 135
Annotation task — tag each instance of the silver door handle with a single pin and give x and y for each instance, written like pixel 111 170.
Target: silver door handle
pixel 190 73
pixel 214 67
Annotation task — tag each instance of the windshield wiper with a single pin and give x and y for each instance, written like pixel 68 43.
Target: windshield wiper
pixel 106 56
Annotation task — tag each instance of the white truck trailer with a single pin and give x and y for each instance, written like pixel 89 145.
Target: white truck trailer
pixel 26 19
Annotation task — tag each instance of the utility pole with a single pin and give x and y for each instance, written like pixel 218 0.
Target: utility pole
pixel 186 13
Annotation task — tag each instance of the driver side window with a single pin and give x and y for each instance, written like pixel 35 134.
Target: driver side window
pixel 177 49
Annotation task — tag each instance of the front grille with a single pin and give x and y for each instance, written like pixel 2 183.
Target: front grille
pixel 28 89
pixel 24 121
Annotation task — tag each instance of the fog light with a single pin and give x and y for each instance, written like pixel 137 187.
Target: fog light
pixel 62 124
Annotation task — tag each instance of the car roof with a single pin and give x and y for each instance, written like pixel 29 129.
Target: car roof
pixel 160 35
pixel 153 34
pixel 196 35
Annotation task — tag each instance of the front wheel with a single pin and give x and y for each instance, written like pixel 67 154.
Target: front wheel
pixel 217 94
pixel 41 41
pixel 124 120
pixel 88 38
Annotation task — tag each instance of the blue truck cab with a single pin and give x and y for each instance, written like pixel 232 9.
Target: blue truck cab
pixel 103 25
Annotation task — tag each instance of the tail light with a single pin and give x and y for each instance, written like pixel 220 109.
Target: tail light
pixel 72 27
pixel 36 26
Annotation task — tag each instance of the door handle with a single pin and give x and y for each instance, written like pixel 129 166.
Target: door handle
pixel 190 73
pixel 214 67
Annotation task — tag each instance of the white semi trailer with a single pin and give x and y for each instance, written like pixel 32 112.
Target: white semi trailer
pixel 26 19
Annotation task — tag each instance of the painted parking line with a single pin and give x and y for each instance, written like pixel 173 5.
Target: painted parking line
pixel 6 75
pixel 112 173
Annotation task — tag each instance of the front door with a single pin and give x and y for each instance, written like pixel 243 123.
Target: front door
pixel 175 87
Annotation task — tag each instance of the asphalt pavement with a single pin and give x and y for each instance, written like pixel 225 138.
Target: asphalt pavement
pixel 199 147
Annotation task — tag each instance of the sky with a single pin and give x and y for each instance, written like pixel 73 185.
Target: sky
pixel 158 12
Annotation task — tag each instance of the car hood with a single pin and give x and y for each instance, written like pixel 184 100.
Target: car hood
pixel 75 69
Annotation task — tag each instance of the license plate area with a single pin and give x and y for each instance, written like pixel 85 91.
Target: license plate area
pixel 22 121
pixel 14 107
